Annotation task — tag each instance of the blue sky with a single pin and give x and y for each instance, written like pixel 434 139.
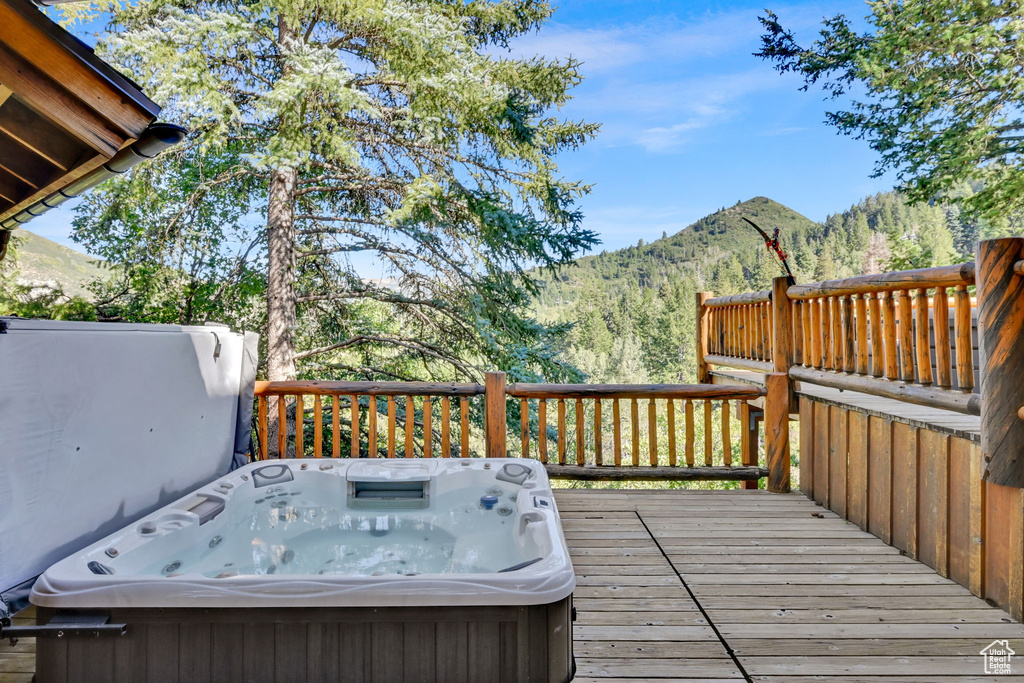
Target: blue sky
pixel 691 121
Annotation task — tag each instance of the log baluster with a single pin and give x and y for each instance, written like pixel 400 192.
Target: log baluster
pixel 336 426
pixel 410 426
pixel 617 431
pixel 671 417
pixel 580 433
pixel 814 307
pixel 849 339
pixel 542 430
pixel 392 423
pixel 561 431
pixel 372 447
pixel 726 436
pixel 428 428
pixel 943 361
pixel 906 335
pixel 922 338
pixel 838 349
pixel 689 448
pixel 891 351
pixel 524 427
pixel 826 334
pixel 877 348
pixel 318 426
pixel 861 318
pixel 300 427
pixel 707 433
pixel 964 339
pixel 652 432
pixel 282 427
pixel 598 440
pixel 261 411
pixel 446 427
pixel 464 426
pixel 634 420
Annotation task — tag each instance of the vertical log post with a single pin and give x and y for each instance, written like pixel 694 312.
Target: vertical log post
pixel 703 335
pixel 776 431
pixel 1001 342
pixel 494 414
pixel 782 334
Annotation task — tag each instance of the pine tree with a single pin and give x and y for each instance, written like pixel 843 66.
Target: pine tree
pixel 390 129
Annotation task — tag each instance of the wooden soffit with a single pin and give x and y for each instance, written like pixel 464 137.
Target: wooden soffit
pixel 63 111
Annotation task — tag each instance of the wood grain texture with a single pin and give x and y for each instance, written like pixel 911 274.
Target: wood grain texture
pixel 943 348
pixel 776 428
pixel 1001 347
pixel 933 500
pixel 904 488
pixel 889 333
pixel 292 388
pixel 962 273
pixel 905 332
pixel 703 336
pixel 880 477
pixel 446 426
pixel 922 340
pixel 963 333
pixel 495 418
pixel 967 404
pixel 875 325
pixel 849 336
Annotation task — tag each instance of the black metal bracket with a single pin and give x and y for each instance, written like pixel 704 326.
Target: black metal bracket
pixel 65 625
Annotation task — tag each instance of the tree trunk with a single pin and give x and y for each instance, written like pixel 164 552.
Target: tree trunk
pixel 281 275
pixel 280 290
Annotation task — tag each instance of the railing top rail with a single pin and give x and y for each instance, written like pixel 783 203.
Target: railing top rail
pixel 739 299
pixel 671 391
pixel 293 388
pixel 941 276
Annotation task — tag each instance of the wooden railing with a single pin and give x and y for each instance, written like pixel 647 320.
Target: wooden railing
pixel 890 335
pixel 875 334
pixel 581 431
pixel 416 416
pixel 740 330
pixel 887 335
pixel 702 440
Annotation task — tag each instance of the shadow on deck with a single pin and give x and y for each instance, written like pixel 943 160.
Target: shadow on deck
pixel 694 586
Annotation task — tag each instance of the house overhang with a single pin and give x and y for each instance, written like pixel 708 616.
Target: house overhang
pixel 68 120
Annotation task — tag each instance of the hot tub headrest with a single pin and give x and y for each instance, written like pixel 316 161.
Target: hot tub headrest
pixel 392 470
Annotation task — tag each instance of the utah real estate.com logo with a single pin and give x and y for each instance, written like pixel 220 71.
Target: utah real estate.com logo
pixel 997 657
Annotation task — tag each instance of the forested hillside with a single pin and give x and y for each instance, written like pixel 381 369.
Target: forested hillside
pixel 632 310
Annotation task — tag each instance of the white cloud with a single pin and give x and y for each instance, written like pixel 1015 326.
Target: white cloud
pixel 664 40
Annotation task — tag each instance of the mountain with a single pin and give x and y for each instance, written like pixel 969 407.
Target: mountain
pixel 719 251
pixel 630 312
pixel 42 262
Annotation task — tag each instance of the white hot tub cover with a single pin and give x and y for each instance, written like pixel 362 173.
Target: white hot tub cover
pixel 102 423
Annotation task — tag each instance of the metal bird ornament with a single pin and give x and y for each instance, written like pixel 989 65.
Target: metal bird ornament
pixel 772 245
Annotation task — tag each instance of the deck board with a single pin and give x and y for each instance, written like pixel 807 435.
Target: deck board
pixel 796 598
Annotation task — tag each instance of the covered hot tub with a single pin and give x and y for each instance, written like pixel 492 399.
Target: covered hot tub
pixel 328 570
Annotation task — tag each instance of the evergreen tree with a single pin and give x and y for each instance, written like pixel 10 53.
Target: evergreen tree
pixel 389 129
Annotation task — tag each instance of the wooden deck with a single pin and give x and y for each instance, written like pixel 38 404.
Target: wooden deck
pixel 692 586
pixel 747 585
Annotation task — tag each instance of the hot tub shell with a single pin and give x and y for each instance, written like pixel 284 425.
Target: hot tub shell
pixel 508 626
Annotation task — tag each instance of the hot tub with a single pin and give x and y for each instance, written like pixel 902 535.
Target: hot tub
pixel 306 570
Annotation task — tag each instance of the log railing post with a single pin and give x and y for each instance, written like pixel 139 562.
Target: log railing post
pixel 703 337
pixel 494 414
pixel 1001 347
pixel 776 430
pixel 782 333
